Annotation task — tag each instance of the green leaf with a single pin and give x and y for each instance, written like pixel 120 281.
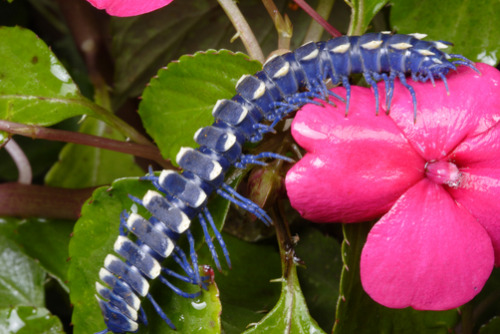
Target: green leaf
pixel 29 320
pixel 290 315
pixel 45 241
pixel 94 235
pixel 363 11
pixel 82 166
pixel 492 327
pixel 197 316
pixel 179 101
pixel 356 309
pixel 320 275
pixel 472 26
pixel 245 290
pixel 144 43
pixel 34 86
pixel 21 278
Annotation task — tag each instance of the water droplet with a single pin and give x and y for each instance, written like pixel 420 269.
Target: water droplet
pixel 14 322
pixel 199 306
pixel 57 70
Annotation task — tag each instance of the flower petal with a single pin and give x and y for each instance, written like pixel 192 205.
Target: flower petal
pixel 356 166
pixel 479 192
pixel 478 159
pixel 125 8
pixel 481 151
pixel 427 252
pixel 444 120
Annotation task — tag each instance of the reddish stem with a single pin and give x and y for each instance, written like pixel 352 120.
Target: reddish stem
pixel 34 131
pixel 22 200
pixel 309 10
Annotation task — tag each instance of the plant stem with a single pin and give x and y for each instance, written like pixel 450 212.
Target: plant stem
pixel 308 9
pixel 286 246
pixel 40 132
pixel 22 200
pixel 467 318
pixel 21 161
pixel 117 123
pixel 315 30
pixel 283 25
pixel 243 29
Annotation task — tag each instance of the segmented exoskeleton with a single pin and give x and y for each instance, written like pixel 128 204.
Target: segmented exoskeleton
pixel 286 83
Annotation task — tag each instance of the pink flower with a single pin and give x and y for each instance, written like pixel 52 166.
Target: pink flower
pixel 129 7
pixel 436 184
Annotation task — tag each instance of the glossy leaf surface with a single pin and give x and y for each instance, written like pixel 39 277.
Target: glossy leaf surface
pixel 179 101
pixel 45 241
pixel 21 278
pixel 471 26
pixel 28 320
pixel 35 88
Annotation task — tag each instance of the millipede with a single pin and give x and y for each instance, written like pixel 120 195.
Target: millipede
pixel 286 83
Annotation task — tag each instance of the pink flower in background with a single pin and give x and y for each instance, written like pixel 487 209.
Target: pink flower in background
pixel 436 184
pixel 129 7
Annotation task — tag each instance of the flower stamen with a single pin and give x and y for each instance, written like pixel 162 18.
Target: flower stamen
pixel 443 172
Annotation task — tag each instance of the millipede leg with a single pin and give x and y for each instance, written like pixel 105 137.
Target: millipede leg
pixel 432 80
pixel 218 236
pixel 247 159
pixel 372 83
pixel 187 269
pixel 103 331
pixel 178 276
pixel 183 278
pixel 412 92
pixel 389 84
pixel 142 316
pixel 297 100
pixel 154 181
pixel 389 94
pixel 347 86
pixel 263 129
pixel 330 93
pixel 244 203
pixel 194 257
pixel 180 257
pixel 445 83
pixel 135 199
pixel 208 240
pixel 280 110
pixel 319 89
pixel 123 223
pixel 177 290
pixel 160 312
pixel 465 63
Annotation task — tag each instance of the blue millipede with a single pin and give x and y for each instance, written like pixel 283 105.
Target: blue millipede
pixel 286 83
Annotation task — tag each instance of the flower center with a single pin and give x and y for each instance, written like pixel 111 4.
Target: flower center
pixel 443 172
